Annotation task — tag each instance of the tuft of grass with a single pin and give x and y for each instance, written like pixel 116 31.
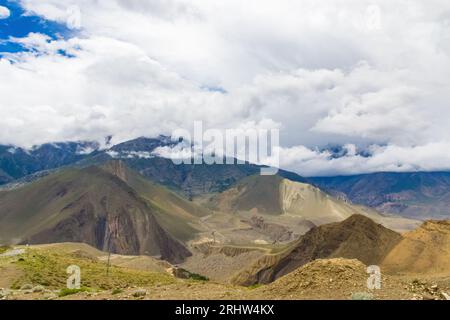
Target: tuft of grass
pixel 3 249
pixel 254 286
pixel 362 296
pixel 116 291
pixel 67 292
pixel 197 277
pixel 48 268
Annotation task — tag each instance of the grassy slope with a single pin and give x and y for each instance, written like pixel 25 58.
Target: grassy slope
pixel 46 265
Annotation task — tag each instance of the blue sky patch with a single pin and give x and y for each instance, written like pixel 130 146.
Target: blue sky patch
pixel 214 89
pixel 19 25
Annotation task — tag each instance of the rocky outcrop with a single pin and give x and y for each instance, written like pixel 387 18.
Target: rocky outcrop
pixel 276 232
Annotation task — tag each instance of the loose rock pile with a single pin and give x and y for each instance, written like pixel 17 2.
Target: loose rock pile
pixel 424 291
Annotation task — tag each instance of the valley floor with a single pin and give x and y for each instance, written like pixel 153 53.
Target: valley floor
pixel 39 272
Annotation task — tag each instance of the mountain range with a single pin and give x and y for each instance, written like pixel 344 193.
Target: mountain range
pixel 418 195
pixel 224 222
pixel 113 207
pixel 17 162
pixel 129 200
pixel 421 195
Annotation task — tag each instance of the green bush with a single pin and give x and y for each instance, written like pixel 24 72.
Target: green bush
pixel 198 277
pixel 67 292
pixel 3 249
pixel 254 286
pixel 117 291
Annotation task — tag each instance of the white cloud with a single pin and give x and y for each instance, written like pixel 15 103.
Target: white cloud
pixel 328 72
pixel 391 158
pixel 86 150
pixel 4 12
pixel 113 154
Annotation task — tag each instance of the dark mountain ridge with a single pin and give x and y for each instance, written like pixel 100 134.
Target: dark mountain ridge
pixel 420 195
pixel 138 154
pixel 16 163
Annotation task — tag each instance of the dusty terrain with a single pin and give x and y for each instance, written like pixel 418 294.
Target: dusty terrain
pixel 264 238
pixel 357 237
pixel 425 250
pixel 39 273
pixel 221 263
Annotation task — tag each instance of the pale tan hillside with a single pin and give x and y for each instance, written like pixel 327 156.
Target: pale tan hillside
pixel 312 204
pixel 425 250
pixel 279 197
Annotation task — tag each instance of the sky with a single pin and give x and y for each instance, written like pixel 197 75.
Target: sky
pixel 370 78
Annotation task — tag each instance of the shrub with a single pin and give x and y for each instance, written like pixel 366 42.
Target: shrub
pixel 117 291
pixel 67 292
pixel 198 277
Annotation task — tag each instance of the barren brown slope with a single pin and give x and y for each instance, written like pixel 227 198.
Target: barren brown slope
pixel 425 250
pixel 357 237
pixel 176 214
pixel 88 205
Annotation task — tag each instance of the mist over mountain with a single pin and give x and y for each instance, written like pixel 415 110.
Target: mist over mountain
pixel 223 222
pixel 342 107
pixel 419 195
pixel 139 154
